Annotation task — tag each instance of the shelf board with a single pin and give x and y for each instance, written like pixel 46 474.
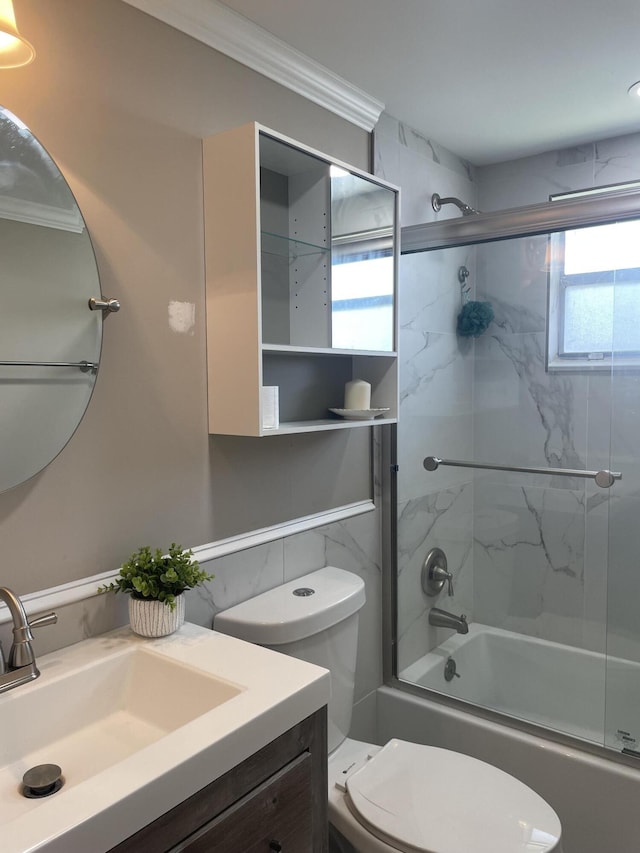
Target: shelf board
pixel 286 349
pixel 288 247
pixel 287 427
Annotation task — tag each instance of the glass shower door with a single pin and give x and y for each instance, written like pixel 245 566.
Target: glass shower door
pixel 622 722
pixel 527 551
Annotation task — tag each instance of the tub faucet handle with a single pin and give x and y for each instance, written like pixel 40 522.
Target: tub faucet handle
pixel 449 578
pixel 443 576
pixel 435 573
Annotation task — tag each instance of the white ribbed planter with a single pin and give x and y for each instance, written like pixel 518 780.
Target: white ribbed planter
pixel 151 618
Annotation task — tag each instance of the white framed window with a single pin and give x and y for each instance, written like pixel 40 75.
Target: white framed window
pixel 594 295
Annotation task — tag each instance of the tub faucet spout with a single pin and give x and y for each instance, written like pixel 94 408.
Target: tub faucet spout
pixel 443 619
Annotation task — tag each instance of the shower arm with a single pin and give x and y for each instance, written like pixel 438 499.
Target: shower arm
pixel 605 479
pixel 437 202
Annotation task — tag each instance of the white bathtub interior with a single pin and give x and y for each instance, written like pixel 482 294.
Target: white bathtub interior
pixel 538 681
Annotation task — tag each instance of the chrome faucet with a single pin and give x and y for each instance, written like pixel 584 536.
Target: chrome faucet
pixel 21 665
pixel 443 619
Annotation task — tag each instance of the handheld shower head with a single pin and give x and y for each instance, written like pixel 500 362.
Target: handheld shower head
pixel 437 202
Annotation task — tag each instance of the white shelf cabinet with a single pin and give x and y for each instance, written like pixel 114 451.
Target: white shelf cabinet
pixel 280 219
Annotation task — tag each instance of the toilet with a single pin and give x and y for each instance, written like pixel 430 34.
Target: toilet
pixel 401 796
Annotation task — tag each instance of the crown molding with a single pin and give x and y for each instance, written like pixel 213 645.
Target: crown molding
pixel 219 27
pixel 34 213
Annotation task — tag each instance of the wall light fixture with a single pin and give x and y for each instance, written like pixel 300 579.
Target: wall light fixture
pixel 14 49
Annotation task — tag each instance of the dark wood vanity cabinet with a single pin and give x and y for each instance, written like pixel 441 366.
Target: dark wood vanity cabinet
pixel 275 800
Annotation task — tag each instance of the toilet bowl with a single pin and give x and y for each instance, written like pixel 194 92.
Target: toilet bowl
pixel 400 796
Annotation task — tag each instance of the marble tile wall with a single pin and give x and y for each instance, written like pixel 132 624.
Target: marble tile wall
pixel 547 557
pixel 533 179
pixel 436 387
pixel 531 569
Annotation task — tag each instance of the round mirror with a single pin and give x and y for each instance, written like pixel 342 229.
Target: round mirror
pixel 49 338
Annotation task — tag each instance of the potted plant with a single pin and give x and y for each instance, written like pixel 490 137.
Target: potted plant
pixel 155 582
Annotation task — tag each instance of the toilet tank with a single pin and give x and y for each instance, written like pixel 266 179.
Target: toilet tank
pixel 314 618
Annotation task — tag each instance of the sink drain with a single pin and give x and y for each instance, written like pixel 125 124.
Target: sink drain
pixel 42 781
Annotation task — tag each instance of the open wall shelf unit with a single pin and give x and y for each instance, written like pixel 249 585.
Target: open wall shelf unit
pixel 279 218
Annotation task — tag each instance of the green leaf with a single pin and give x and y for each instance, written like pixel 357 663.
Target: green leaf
pixel 154 575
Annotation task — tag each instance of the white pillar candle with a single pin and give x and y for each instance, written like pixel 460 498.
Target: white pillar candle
pixel 357 395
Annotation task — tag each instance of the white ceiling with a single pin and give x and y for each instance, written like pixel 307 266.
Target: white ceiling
pixel 491 80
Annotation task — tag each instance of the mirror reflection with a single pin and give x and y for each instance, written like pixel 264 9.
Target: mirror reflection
pixel 362 263
pixel 49 339
pixel 327 253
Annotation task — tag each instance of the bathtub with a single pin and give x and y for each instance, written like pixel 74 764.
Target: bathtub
pixel 559 687
pixel 563 688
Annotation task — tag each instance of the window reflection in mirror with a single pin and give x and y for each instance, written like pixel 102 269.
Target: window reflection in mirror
pixel 362 264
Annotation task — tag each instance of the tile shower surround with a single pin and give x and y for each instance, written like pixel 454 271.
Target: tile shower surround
pixel 527 555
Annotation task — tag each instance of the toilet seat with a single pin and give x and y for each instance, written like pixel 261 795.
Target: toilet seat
pixel 422 799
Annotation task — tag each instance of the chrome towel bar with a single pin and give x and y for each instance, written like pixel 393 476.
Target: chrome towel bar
pixel 605 479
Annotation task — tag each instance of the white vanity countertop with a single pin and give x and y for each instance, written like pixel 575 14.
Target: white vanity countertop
pixel 276 692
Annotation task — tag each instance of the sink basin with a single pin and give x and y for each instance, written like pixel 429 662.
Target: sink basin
pixel 96 716
pixel 138 726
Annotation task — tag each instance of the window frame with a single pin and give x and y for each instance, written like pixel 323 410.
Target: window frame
pixel 558 283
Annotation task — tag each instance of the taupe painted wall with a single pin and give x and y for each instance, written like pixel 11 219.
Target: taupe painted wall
pixel 121 101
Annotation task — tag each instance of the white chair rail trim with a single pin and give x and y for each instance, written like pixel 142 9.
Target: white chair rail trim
pixel 75 591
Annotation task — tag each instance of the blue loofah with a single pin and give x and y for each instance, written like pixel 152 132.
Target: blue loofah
pixel 474 319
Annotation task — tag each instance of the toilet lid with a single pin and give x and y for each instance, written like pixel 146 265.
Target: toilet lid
pixel 422 798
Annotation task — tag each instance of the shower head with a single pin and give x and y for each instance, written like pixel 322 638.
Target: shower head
pixel 437 202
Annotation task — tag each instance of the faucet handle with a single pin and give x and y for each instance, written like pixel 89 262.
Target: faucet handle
pixel 441 576
pixel 449 584
pixel 435 573
pixel 42 621
pixel 21 653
